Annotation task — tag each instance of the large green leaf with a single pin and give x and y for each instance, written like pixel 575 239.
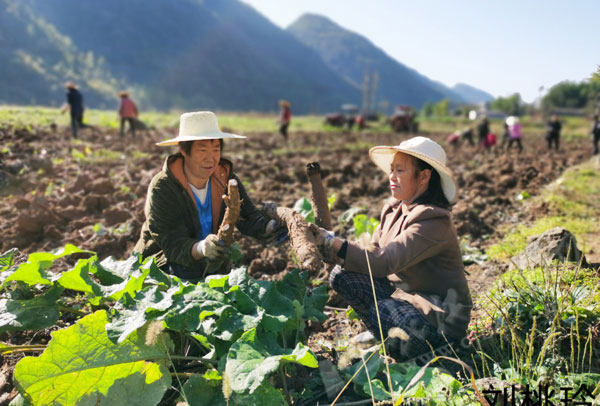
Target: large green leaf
pixel 7 259
pixel 131 314
pixel 81 366
pixel 194 304
pixel 34 314
pixel 78 278
pixel 249 295
pixel 118 278
pixel 251 358
pixel 295 286
pixel 207 390
pixel 33 272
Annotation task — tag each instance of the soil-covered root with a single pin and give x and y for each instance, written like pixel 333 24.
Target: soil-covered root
pixel 302 239
pixel 232 213
pixel 319 196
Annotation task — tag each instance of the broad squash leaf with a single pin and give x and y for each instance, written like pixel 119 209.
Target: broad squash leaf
pixel 250 360
pixel 82 367
pixel 34 314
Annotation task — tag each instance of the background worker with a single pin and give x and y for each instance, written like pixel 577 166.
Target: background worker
pixel 553 132
pixel 75 106
pixel 285 117
pixel 483 129
pixel 595 133
pixel 128 112
pixel 514 133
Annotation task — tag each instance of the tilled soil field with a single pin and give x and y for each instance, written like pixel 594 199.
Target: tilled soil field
pixel 90 192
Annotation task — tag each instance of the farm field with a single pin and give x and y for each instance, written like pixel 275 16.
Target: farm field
pixel 90 192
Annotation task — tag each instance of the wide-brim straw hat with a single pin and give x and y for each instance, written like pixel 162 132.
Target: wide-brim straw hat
pixel 423 148
pixel 285 103
pixel 123 94
pixel 70 85
pixel 198 126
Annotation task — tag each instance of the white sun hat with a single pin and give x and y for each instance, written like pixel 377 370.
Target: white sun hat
pixel 198 126
pixel 423 148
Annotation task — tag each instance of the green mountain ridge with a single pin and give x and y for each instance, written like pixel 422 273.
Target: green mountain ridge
pixel 187 55
pixel 351 55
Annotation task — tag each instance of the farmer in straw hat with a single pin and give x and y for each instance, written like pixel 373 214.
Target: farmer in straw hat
pixel 415 257
pixel 185 207
pixel 75 106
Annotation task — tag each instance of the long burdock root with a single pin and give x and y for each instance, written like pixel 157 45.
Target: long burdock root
pixel 225 233
pixel 232 213
pixel 302 239
pixel 320 207
pixel 319 197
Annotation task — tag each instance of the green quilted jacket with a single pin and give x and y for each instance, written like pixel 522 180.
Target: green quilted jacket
pixel 172 225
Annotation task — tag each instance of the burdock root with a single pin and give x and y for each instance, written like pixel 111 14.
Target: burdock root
pixel 302 239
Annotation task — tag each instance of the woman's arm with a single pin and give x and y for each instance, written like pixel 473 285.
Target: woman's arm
pixel 422 239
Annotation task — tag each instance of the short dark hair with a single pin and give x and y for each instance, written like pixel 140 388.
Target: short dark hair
pixel 186 146
pixel 434 195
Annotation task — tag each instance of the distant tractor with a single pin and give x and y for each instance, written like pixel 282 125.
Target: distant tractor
pixel 346 117
pixel 404 119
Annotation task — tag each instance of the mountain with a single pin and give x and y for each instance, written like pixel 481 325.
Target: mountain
pixel 471 94
pixel 185 54
pixel 351 55
pixel 36 59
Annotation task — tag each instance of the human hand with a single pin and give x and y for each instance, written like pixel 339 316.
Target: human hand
pixel 324 240
pixel 211 247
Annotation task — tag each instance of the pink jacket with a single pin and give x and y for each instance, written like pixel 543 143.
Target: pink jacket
pixel 128 109
pixel 514 131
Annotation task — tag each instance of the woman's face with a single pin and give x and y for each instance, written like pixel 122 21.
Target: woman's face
pixel 403 183
pixel 202 160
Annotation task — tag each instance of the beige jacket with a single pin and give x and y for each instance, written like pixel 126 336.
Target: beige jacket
pixel 417 249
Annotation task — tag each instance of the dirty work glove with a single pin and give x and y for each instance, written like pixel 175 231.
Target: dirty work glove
pixel 211 247
pixel 324 239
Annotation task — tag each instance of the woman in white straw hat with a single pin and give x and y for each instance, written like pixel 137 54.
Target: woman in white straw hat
pixel 185 207
pixel 415 258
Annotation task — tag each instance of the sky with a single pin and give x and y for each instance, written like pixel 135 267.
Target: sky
pixel 501 47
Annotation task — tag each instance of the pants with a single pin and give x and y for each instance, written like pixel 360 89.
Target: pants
pixel 356 289
pixel 283 130
pixel 76 122
pixel 552 139
pixel 596 140
pixel 131 122
pixel 517 141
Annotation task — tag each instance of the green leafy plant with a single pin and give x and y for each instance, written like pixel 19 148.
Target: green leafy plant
pixel 137 328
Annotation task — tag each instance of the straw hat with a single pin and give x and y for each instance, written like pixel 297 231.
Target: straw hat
pixel 198 126
pixel 424 149
pixel 284 103
pixel 123 94
pixel 70 85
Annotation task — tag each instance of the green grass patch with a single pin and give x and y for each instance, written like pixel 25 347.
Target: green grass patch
pixel 574 205
pixel 515 241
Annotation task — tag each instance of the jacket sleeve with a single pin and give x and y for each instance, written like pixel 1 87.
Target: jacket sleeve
pixel 252 221
pixel 422 239
pixel 167 227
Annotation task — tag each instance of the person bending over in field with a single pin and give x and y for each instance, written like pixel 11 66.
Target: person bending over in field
pixel 184 206
pixel 415 257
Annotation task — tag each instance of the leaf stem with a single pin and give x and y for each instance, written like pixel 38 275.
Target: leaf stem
pixel 65 308
pixel 284 383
